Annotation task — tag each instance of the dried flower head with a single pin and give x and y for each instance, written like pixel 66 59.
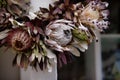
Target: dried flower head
pixel 95 15
pixel 19 39
pixel 66 27
pixel 59 34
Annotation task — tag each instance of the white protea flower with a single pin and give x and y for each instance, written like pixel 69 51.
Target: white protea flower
pixel 59 34
pixel 95 15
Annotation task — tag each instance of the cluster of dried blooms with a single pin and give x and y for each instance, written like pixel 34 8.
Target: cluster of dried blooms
pixel 57 33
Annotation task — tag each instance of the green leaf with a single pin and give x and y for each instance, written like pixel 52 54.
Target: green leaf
pixel 43 48
pixel 80 35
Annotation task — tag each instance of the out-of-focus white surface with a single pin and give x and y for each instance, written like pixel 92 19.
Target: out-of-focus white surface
pixel 31 74
pixel 35 4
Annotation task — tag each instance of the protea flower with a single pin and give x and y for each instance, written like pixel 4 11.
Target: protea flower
pixel 19 39
pixel 95 15
pixel 59 34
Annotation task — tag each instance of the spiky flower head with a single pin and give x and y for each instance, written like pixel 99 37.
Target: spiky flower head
pixel 19 39
pixel 59 34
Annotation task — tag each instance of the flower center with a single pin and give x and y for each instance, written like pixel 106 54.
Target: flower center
pixel 18 44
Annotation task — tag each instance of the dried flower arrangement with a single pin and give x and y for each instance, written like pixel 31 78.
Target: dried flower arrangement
pixel 57 33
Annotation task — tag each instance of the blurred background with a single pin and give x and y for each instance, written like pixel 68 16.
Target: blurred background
pixel 100 62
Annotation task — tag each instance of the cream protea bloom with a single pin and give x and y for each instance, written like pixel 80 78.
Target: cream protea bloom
pixel 59 34
pixel 95 15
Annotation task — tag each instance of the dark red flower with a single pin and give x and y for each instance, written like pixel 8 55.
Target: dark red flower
pixel 19 39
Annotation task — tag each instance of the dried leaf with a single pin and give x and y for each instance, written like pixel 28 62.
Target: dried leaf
pixel 84 44
pixel 41 65
pixel 24 61
pixel 15 60
pixel 74 50
pixel 79 47
pixel 39 57
pixel 66 2
pixel 3 34
pixel 63 58
pixel 50 54
pixel 32 57
pixel 19 56
pixel 50 7
pixel 49 66
pixel 44 10
pixel 68 15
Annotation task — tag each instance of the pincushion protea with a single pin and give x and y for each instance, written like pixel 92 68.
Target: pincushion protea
pixel 19 39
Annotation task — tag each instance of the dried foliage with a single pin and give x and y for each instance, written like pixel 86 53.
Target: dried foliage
pixel 57 33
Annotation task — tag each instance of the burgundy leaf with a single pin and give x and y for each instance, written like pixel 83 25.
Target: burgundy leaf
pixel 59 62
pixel 32 27
pixel 63 58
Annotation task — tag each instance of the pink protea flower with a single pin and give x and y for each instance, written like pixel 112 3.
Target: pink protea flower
pixel 19 39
